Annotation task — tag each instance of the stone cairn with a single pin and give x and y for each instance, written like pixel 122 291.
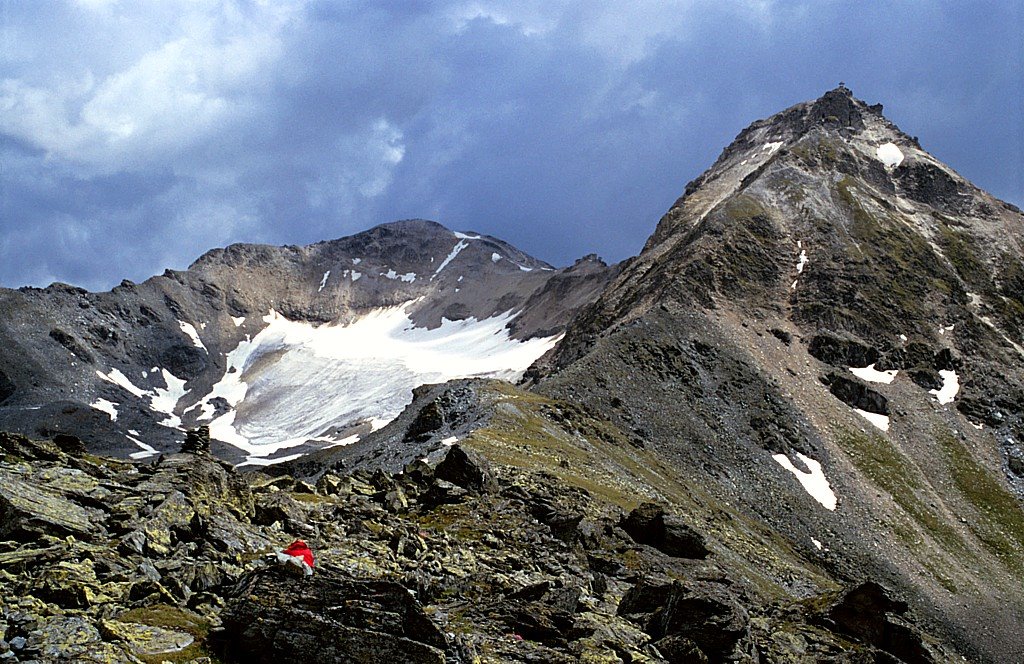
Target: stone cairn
pixel 197 440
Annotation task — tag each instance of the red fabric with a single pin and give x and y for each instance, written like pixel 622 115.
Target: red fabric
pixel 298 549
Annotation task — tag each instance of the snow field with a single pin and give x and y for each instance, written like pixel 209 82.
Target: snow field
pixel 294 381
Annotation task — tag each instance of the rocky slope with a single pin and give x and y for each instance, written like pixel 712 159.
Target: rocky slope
pixel 830 308
pixel 253 340
pixel 455 561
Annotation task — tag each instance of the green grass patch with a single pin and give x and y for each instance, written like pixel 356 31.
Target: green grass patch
pixel 1000 518
pixel 891 471
pixel 957 246
pixel 311 498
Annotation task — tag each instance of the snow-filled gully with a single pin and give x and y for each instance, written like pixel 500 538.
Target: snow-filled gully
pixel 814 481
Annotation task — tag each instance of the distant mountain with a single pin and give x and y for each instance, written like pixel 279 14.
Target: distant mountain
pixel 279 349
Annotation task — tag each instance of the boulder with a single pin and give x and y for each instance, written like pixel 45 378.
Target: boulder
pixel 276 617
pixel 649 524
pixel 705 614
pixel 841 351
pixel 544 614
pixel 869 612
pixel 856 394
pixel 563 524
pixel 466 469
pixel 70 639
pixel 27 511
pixel 71 445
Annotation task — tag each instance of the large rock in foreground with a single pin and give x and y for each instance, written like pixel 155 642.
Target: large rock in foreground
pixel 279 617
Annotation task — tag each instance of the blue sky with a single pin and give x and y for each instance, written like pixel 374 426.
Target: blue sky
pixel 136 135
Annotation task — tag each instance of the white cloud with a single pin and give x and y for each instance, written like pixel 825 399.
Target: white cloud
pixel 363 165
pixel 530 18
pixel 164 101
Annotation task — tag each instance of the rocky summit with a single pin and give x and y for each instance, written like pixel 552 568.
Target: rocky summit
pixel 788 431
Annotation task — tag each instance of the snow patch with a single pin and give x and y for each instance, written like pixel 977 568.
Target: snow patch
pixel 816 543
pixel 889 154
pixel 255 461
pixel 495 257
pixel 801 262
pixel 462 244
pixel 165 399
pixel 524 268
pixel 814 482
pixel 147 450
pixel 323 281
pixel 873 375
pixel 238 320
pixel 108 407
pixel 355 276
pixel 357 261
pixel 451 440
pixel 408 277
pixel 465 236
pixel 950 387
pixel 117 378
pixel 772 147
pixel 948 328
pixel 190 330
pixel 880 421
pixel 903 337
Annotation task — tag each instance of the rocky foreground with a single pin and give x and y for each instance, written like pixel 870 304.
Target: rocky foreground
pixel 455 561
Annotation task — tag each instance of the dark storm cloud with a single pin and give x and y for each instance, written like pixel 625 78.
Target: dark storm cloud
pixel 135 137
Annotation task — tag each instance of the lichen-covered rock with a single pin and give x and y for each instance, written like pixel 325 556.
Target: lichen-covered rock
pixel 71 639
pixel 146 639
pixel 27 511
